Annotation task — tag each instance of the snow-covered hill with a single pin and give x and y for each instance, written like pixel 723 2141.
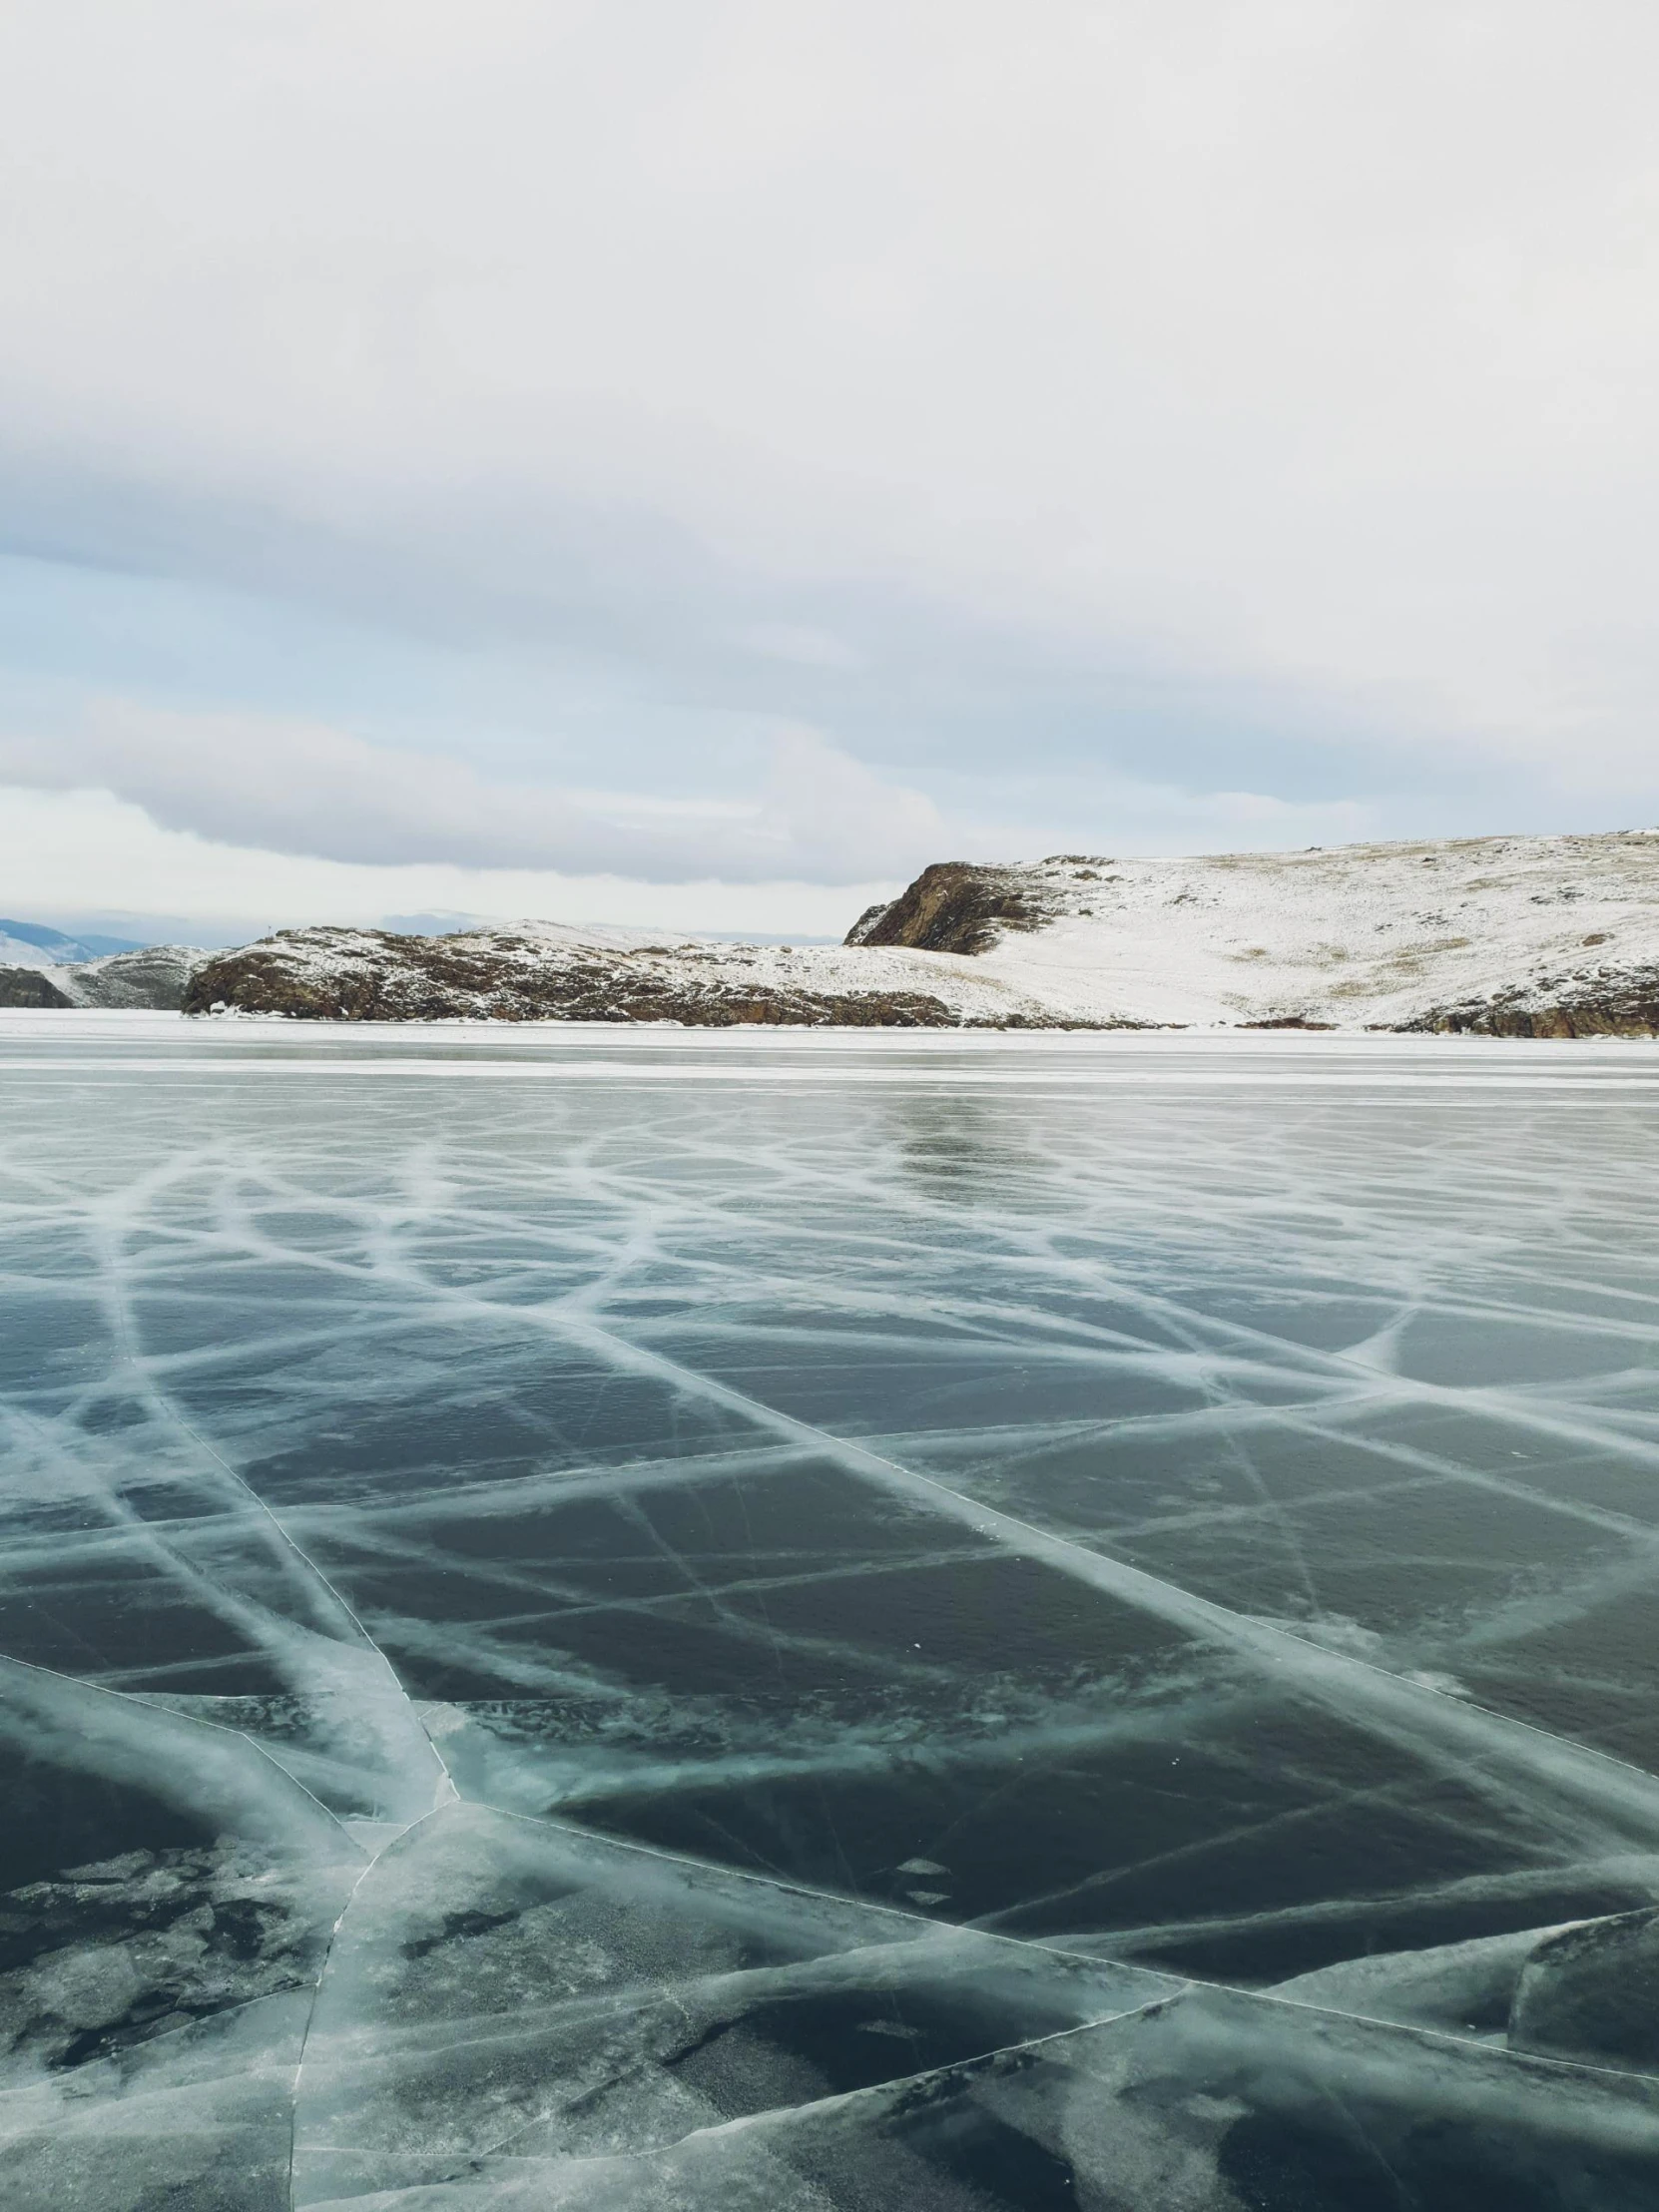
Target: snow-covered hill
pixel 1524 935
pixel 156 975
pixel 1548 936
pixel 41 967
pixel 539 971
pixel 153 976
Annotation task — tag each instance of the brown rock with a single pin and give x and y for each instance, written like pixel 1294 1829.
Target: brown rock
pixel 1620 1004
pixel 372 976
pixel 952 907
pixel 27 986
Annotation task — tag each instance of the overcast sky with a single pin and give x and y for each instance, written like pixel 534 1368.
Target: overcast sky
pixel 689 462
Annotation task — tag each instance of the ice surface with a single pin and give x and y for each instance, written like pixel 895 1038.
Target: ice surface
pixel 594 1620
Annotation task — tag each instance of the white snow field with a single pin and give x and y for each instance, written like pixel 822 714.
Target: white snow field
pixel 1357 936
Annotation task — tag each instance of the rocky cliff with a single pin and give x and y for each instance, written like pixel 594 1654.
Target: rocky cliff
pixel 955 907
pixel 31 987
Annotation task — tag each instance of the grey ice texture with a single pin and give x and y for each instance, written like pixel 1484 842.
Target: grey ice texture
pixel 819 1624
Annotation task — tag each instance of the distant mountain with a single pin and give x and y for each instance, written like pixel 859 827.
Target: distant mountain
pixel 31 944
pixel 47 968
pixel 152 976
pixel 1510 937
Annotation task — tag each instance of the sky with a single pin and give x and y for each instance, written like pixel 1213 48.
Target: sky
pixel 694 462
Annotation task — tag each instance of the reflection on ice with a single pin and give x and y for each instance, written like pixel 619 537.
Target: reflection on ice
pixel 790 1625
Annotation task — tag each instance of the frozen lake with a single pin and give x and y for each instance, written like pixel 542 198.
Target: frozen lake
pixel 604 1619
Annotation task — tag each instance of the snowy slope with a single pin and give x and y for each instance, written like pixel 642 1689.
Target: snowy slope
pixel 155 976
pixel 532 971
pixel 42 966
pixel 1524 935
pixel 1356 936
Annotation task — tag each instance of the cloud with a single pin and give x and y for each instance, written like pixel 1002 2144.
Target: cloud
pixel 96 861
pixel 305 787
pixel 951 378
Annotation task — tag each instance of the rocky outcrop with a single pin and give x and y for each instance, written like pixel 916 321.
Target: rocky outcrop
pixel 28 986
pixel 505 975
pixel 1608 1003
pixel 955 906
